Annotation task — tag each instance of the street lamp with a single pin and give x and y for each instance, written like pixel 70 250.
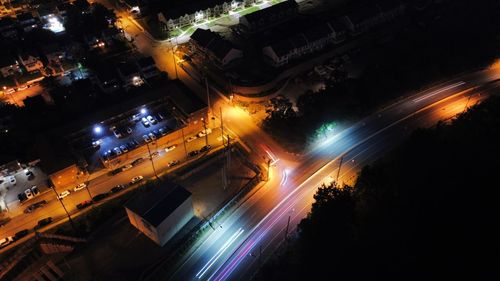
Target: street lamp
pixel 205 130
pixel 97 129
pixel 143 111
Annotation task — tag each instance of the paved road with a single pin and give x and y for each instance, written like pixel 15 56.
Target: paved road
pixel 258 224
pixel 101 184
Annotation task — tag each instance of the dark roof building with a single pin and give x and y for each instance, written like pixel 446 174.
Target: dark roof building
pixel 161 211
pixel 271 16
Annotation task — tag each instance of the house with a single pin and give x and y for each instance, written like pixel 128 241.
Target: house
pixel 211 44
pixel 94 41
pixel 362 18
pixel 8 27
pixel 269 17
pixel 8 65
pixel 161 212
pixel 27 21
pixel 311 40
pixel 54 53
pixel 107 79
pixel 223 52
pixel 108 35
pixel 148 67
pixel 196 11
pixel 129 74
pixel 30 62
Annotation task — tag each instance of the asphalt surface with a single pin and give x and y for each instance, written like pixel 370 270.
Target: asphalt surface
pixel 257 227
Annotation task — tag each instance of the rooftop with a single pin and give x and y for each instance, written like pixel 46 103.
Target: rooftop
pixel 188 7
pixel 159 202
pixel 271 11
pixel 204 37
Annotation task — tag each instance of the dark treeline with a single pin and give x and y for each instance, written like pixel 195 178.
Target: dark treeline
pixel 426 211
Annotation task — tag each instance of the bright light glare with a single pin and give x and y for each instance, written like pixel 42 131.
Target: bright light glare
pixel 217 255
pixel 54 24
pixel 143 111
pixel 97 129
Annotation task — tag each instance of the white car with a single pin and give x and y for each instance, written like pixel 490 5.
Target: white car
pixel 117 151
pixel 63 194
pixel 6 241
pixel 28 193
pixel 145 122
pixel 12 180
pixel 80 187
pixel 127 167
pixel 146 138
pixel 151 119
pixel 191 138
pixel 203 133
pixel 170 148
pixel 152 136
pixel 136 179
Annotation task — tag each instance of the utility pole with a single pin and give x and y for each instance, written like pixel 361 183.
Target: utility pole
pixel 221 126
pixel 173 57
pixel 152 162
pixel 184 142
pixel 205 130
pixel 340 166
pixel 65 210
pixel 208 95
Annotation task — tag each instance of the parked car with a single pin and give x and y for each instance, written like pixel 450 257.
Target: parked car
pixel 4 221
pixel 152 136
pixel 154 154
pixel 35 190
pixel 173 163
pixel 43 222
pixel 35 206
pixel 127 167
pixel 156 133
pixel 80 186
pixel 123 148
pixel 205 132
pixel 170 148
pixel 193 153
pixel 84 204
pixel 12 180
pixel 162 131
pixel 63 194
pixel 205 148
pixel 20 234
pixel 97 143
pixel 129 130
pixel 151 120
pixel 137 161
pixel 145 122
pixel 191 138
pixel 22 197
pixel 6 241
pixel 99 197
pixel 146 138
pixel 29 194
pixel 136 179
pixel 115 171
pixel 116 132
pixel 29 174
pixel 117 188
pixel 117 151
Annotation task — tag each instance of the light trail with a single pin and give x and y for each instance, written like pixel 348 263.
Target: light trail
pixel 219 253
pixel 439 91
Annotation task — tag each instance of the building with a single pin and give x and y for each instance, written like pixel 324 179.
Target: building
pixel 269 17
pixel 107 79
pixel 30 62
pixel 130 74
pixel 309 41
pixel 197 11
pixel 212 45
pixel 148 67
pixel 8 65
pixel 27 21
pixel 363 18
pixel 161 211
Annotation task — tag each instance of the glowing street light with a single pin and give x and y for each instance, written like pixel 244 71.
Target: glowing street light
pixel 143 111
pixel 97 129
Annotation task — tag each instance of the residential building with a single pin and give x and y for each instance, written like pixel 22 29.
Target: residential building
pixel 269 17
pixel 130 74
pixel 109 35
pixel 148 67
pixel 197 11
pixel 212 45
pixel 363 18
pixel 161 212
pixel 27 21
pixel 107 79
pixel 54 53
pixel 30 62
pixel 309 41
pixel 8 65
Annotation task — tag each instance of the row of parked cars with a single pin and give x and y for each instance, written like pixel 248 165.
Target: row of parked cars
pixel 4 242
pixel 28 194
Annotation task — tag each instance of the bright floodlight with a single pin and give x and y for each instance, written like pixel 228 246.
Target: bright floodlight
pixel 143 111
pixel 54 24
pixel 97 129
